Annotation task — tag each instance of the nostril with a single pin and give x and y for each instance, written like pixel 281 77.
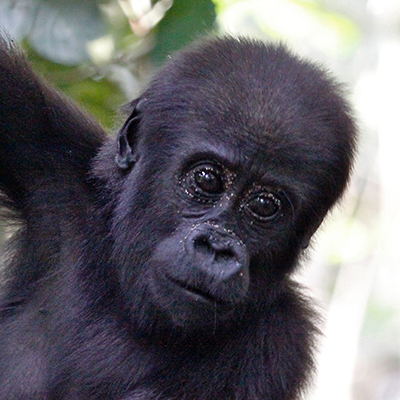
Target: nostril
pixel 221 250
pixel 224 255
pixel 202 243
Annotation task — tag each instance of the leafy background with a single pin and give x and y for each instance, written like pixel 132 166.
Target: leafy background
pixel 88 47
pixel 102 53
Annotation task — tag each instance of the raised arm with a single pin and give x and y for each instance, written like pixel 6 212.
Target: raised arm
pixel 44 137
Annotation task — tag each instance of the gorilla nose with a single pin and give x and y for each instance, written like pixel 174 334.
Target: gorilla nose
pixel 217 252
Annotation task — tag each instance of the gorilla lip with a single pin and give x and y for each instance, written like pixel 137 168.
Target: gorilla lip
pixel 195 291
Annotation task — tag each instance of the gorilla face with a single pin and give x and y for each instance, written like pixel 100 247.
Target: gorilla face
pixel 216 209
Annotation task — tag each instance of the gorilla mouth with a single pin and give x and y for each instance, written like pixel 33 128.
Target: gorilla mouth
pixel 196 291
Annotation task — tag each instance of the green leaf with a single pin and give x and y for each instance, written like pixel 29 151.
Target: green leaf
pixel 183 22
pixel 99 97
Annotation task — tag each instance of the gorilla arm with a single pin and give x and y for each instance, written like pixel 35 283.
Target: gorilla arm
pixel 43 135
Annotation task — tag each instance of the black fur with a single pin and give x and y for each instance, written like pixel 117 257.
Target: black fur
pixel 156 265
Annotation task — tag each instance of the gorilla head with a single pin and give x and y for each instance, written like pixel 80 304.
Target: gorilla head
pixel 227 165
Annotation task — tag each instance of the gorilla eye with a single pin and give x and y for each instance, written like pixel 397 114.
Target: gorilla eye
pixel 208 181
pixel 205 182
pixel 264 206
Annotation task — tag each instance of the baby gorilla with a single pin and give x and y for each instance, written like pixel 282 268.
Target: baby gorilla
pixel 157 265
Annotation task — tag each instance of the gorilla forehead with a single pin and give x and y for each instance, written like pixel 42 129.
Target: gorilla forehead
pixel 246 89
pixel 236 138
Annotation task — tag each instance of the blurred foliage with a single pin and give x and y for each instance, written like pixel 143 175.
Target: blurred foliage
pixel 58 30
pixel 87 47
pixel 305 24
pixel 100 52
pixel 100 97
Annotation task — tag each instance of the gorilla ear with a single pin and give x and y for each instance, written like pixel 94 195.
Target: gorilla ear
pixel 127 136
